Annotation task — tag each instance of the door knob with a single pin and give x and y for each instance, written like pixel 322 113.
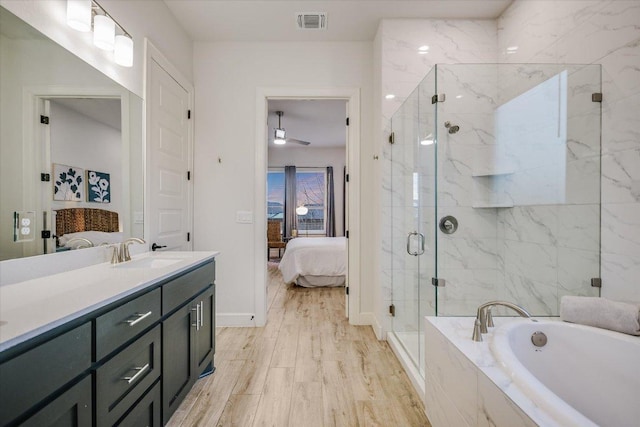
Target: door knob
pixel 155 247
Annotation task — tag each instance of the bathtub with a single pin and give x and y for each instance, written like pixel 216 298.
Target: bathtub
pixel 583 376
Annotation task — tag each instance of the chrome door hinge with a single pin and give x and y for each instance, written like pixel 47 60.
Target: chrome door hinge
pixel 392 310
pixel 439 283
pixel 438 97
pixel 596 97
pixel 596 282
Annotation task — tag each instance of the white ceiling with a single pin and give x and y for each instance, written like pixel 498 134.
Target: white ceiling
pixel 348 20
pixel 320 122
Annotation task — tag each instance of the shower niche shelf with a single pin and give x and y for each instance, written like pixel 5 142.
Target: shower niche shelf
pixel 488 205
pixel 490 173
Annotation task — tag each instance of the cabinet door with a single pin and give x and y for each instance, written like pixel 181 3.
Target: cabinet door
pixel 205 333
pixel 178 342
pixel 146 412
pixel 72 408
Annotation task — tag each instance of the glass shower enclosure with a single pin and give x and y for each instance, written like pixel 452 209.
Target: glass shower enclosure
pixel 494 192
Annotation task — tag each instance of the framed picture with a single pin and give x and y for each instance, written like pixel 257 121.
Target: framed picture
pixel 98 187
pixel 68 183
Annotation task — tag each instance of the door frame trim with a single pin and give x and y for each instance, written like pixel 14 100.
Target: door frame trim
pixel 152 53
pixel 352 96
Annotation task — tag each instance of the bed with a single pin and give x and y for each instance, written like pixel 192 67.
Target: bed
pixel 315 261
pixel 96 225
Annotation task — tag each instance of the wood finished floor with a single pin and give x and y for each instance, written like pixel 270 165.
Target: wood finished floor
pixel 307 367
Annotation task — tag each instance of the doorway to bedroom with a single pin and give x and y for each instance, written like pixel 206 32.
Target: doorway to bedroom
pixel 307 193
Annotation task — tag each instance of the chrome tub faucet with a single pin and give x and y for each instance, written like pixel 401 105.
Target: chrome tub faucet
pixel 484 317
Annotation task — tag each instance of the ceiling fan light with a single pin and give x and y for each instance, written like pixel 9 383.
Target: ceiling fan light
pixel 302 210
pixel 279 141
pixel 280 133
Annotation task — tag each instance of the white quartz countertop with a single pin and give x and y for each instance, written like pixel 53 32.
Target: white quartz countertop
pixel 32 307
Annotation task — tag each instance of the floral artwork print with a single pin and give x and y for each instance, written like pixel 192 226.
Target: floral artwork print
pixel 99 187
pixel 68 183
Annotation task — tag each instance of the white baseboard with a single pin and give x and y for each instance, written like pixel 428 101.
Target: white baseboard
pixel 412 372
pixel 235 320
pixel 362 319
pixel 378 329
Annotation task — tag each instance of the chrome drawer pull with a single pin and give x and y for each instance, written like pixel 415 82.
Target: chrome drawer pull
pixel 139 318
pixel 197 310
pixel 137 374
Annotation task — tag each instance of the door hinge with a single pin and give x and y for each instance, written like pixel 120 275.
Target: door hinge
pixel 188 114
pixel 45 234
pixel 346 234
pixel 596 97
pixel 45 177
pixel 596 282
pixel 438 97
pixel 438 283
pixel 346 290
pixel 346 177
pixel 392 310
pixel 188 175
pixel 392 138
pixel 347 121
pixel 44 120
pixel 188 237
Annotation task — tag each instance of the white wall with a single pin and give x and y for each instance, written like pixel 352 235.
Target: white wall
pixel 80 141
pixel 227 77
pixel 607 33
pixel 141 18
pixel 315 158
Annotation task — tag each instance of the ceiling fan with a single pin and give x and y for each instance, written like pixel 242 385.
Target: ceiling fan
pixel 280 134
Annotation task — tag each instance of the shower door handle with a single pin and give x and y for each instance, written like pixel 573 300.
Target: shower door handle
pixel 420 251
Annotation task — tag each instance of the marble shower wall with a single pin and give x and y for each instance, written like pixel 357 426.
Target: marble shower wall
pixel 402 69
pixel 590 32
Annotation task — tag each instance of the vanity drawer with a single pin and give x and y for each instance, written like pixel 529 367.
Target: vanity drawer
pixel 183 288
pixel 146 412
pixel 125 377
pixel 125 322
pixel 34 375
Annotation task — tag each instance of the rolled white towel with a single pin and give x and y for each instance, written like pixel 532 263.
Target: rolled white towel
pixel 601 313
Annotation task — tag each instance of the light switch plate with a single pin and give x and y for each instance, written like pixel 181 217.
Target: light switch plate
pixel 244 217
pixel 24 226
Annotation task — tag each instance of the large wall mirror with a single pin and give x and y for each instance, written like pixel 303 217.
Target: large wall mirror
pixel 71 149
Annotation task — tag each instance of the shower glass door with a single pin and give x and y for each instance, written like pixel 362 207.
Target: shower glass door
pixel 519 169
pixel 413 218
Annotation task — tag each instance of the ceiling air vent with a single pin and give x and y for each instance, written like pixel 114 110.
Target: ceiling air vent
pixel 311 21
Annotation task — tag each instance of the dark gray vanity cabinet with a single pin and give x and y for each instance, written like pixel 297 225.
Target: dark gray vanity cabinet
pixel 188 335
pixel 130 363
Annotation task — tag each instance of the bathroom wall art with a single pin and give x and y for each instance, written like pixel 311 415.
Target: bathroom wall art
pixel 68 183
pixel 98 187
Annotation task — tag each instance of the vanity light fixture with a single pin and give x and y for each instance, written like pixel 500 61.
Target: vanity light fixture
pixel 107 33
pixel 389 96
pixel 423 50
pixel 79 15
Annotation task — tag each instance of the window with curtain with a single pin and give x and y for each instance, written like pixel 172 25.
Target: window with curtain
pixel 275 194
pixel 311 189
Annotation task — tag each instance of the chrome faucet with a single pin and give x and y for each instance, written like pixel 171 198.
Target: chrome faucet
pixel 84 243
pixel 124 248
pixel 484 317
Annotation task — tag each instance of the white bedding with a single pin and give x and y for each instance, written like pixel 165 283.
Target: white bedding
pixel 96 237
pixel 314 256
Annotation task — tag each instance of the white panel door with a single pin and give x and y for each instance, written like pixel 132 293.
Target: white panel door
pixel 168 164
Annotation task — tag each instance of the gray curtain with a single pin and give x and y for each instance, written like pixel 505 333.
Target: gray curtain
pixel 331 204
pixel 290 217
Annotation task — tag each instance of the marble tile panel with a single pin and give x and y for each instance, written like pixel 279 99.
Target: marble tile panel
pixel 621 124
pixel 540 298
pixel 538 186
pixel 534 224
pixel 472 223
pixel 575 269
pixel 440 409
pixel 621 72
pixel 620 275
pixel 621 177
pixel 496 409
pixel 461 253
pixel 579 226
pixel 453 372
pixel 466 289
pixel 583 136
pixel 534 261
pixel 583 181
pixel 621 229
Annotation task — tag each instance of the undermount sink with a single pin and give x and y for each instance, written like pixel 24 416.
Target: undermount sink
pixel 150 262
